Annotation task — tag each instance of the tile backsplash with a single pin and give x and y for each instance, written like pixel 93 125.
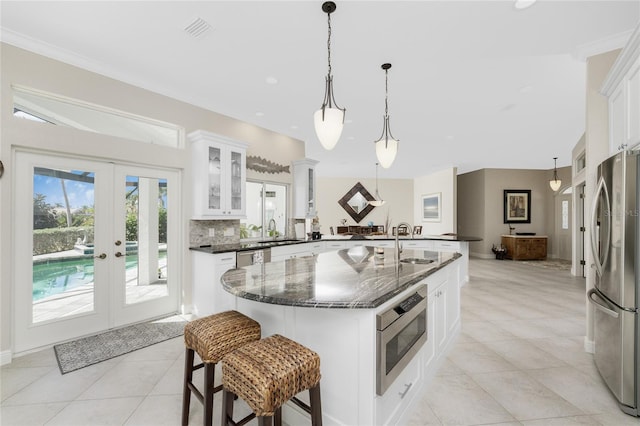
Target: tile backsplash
pixel 200 232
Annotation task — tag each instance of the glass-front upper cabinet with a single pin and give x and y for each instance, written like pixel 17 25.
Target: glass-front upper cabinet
pixel 304 188
pixel 219 175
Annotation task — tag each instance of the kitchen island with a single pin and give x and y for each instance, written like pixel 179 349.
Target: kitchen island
pixel 330 303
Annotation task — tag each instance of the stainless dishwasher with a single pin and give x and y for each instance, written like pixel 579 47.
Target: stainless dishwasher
pixel 251 257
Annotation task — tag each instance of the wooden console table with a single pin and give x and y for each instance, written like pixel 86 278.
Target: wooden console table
pixel 525 247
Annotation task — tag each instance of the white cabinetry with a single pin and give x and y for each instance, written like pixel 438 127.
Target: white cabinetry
pixel 290 251
pixel 219 176
pixel 208 296
pixel 622 87
pixel 443 322
pixel 304 188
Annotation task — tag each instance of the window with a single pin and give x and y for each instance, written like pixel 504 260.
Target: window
pixel 58 110
pixel 565 214
pixel 581 162
pixel 266 205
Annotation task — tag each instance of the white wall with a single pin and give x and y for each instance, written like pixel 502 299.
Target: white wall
pixel 398 194
pixel 444 183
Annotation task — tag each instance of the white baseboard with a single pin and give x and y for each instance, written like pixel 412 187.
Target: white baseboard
pixel 589 345
pixel 5 357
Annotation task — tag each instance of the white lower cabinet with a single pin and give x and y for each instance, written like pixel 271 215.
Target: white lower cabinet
pixel 402 391
pixel 335 245
pixel 208 295
pixel 290 251
pixel 443 316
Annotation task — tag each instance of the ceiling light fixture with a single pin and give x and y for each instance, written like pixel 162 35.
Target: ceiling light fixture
pixel 387 145
pixel 378 199
pixel 555 182
pixel 523 4
pixel 329 119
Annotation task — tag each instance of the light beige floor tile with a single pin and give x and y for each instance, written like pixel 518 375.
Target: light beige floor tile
pixel 29 415
pixel 458 400
pixel 171 382
pixel 578 388
pixel 524 355
pixel 526 329
pixel 163 410
pixel 569 349
pixel 423 416
pixel 57 387
pixel 564 421
pixel 113 411
pixel 449 368
pixel 524 397
pixel 484 331
pixel 43 358
pixel 478 358
pixel 128 379
pixel 13 380
pixel 617 418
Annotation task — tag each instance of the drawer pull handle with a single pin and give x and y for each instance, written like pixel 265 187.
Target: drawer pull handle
pixel 406 389
pixel 227 258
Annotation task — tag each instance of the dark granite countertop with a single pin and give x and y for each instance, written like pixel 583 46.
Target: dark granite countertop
pixel 256 245
pixel 349 278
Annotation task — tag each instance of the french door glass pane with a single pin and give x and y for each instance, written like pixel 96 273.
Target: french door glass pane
pixel 145 250
pixel 63 251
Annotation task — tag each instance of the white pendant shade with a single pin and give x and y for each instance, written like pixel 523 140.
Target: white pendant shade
pixel 329 129
pixel 386 151
pixel 555 184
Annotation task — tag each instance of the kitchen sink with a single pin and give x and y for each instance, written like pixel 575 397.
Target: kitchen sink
pixel 416 261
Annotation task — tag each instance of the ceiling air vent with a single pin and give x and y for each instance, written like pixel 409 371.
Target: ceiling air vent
pixel 197 27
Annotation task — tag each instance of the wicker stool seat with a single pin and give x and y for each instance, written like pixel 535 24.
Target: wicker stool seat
pixel 266 374
pixel 212 337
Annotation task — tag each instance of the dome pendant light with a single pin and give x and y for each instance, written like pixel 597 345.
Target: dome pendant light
pixel 555 182
pixel 329 119
pixel 378 201
pixel 387 145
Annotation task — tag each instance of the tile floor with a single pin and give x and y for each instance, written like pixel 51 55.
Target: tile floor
pixel 518 361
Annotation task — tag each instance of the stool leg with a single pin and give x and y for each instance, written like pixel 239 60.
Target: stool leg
pixel 316 407
pixel 277 417
pixel 265 421
pixel 186 392
pixel 209 376
pixel 227 406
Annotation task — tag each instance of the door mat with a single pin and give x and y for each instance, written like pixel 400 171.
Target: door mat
pixel 91 350
pixel 556 264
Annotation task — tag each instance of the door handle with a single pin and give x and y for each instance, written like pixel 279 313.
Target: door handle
pixel 601 189
pixel 118 254
pixel 101 256
pixel 599 306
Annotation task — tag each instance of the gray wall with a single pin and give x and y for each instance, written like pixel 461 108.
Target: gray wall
pixel 480 205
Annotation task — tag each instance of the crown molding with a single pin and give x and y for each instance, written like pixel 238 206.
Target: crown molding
pixel 623 63
pixel 607 44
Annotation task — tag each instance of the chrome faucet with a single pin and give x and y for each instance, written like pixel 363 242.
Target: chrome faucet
pixel 272 229
pixel 398 248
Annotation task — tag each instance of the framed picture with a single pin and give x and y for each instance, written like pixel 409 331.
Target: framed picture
pixel 517 206
pixel 431 208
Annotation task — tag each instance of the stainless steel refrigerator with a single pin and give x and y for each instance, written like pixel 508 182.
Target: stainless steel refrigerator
pixel 615 234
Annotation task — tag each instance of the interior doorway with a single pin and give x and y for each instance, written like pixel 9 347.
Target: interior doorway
pixel 563 223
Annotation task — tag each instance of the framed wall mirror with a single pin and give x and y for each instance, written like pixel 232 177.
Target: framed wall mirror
pixel 356 202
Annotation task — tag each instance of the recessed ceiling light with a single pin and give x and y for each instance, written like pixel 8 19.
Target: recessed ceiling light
pixel 450 137
pixel 259 114
pixel 523 4
pixel 294 127
pixel 271 80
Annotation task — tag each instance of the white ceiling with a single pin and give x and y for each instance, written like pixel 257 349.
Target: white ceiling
pixel 474 84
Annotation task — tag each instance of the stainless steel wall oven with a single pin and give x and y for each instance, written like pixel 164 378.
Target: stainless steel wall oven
pixel 401 332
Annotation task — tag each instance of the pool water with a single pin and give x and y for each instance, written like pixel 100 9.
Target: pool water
pixel 56 276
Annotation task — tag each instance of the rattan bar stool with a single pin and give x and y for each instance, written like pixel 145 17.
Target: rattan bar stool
pixel 212 337
pixel 268 373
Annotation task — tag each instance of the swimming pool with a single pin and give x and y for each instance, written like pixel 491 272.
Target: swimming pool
pixel 56 276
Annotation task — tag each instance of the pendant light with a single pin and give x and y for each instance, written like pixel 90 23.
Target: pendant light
pixel 555 182
pixel 378 199
pixel 329 119
pixel 387 145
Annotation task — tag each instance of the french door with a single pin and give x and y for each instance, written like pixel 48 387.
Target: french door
pixel 94 247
